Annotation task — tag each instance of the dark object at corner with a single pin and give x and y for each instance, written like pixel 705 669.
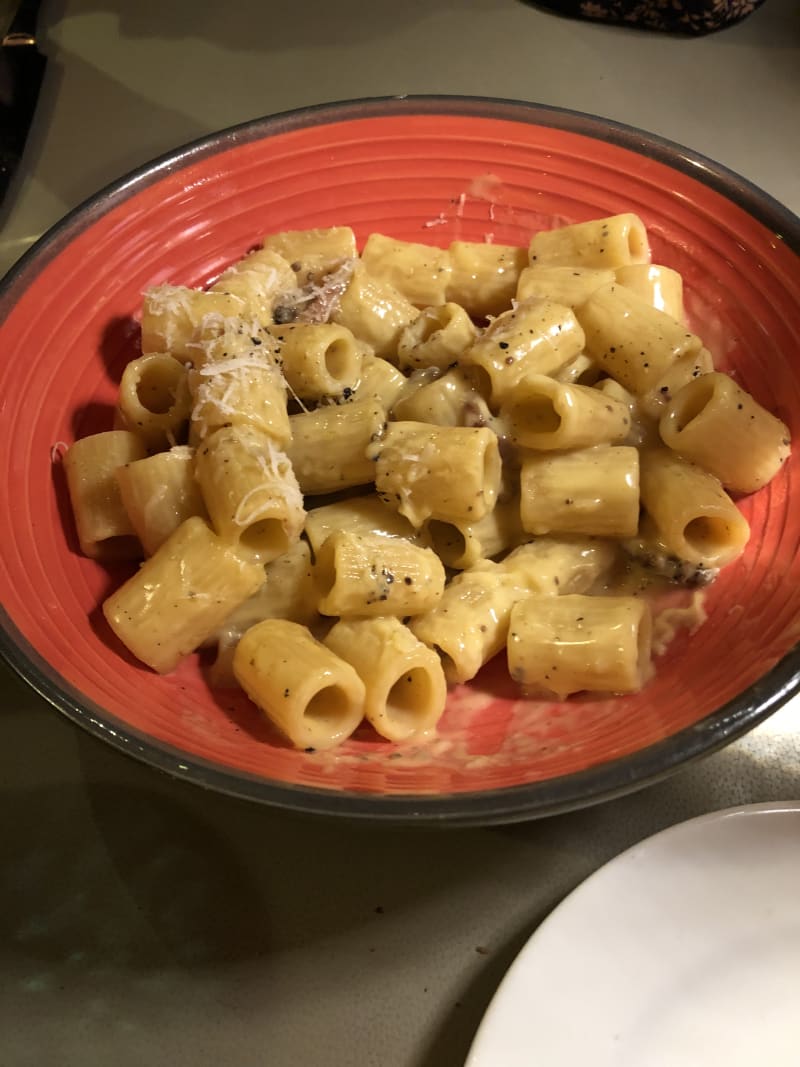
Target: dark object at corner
pixel 21 72
pixel 691 17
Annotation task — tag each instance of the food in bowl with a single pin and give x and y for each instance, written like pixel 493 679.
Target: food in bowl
pixel 363 476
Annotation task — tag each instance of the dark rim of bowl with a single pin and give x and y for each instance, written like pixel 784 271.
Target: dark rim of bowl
pixel 535 799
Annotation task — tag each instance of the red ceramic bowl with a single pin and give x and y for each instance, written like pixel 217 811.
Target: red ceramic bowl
pixel 69 325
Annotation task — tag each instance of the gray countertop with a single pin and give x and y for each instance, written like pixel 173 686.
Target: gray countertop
pixel 145 921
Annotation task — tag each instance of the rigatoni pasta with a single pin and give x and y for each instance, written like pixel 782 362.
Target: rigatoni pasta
pixel 374 311
pixel 360 574
pixel 484 277
pixel 706 421
pixel 105 530
pixel 317 359
pixel 567 644
pixel 533 338
pixel 693 517
pixel 436 338
pixel 329 447
pixel 420 272
pixel 312 695
pixel 549 415
pixel 633 341
pixel 441 472
pixel 588 491
pixel 405 687
pixel 611 242
pixel 251 491
pixel 159 493
pixel 154 400
pixel 181 595
pixel 401 463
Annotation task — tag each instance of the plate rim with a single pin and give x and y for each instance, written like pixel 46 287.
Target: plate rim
pixel 586 886
pixel 757 202
pixel 553 796
pixel 595 784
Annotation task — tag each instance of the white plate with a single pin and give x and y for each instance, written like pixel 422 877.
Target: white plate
pixel 682 951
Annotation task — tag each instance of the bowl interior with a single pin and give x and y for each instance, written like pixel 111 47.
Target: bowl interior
pixel 433 174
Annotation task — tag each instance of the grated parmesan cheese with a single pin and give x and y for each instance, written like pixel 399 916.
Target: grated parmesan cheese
pixel 279 482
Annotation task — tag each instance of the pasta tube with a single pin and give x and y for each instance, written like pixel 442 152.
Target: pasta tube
pixel 154 400
pixel 581 370
pixel 436 339
pixel 593 491
pixel 469 625
pixel 420 272
pixel 555 566
pixel 374 311
pixel 442 472
pixel 171 315
pixel 159 493
pixel 257 280
pixel 546 415
pixel 250 491
pixel 180 596
pixel 368 574
pixel 313 253
pixel 459 545
pixel 451 400
pixel 358 514
pixel 244 390
pixel 563 285
pixel 630 339
pixel 217 339
pixel 693 516
pixel 713 422
pixel 484 276
pixel 661 287
pixel 683 370
pixel 288 592
pixel 405 687
pixel 329 446
pixel 318 360
pixel 379 380
pixel 104 529
pixel 536 338
pixel 573 643
pixel 310 694
pixel 643 430
pixel 601 243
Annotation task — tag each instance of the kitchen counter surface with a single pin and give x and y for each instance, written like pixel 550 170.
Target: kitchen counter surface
pixel 146 921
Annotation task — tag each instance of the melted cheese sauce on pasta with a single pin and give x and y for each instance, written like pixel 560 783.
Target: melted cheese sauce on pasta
pixel 542 417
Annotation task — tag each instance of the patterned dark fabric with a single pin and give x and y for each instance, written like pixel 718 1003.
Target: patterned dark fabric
pixel 693 17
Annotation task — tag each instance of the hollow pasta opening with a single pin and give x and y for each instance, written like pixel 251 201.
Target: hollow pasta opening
pixel 120 547
pixel 538 416
pixel 267 537
pixel 637 242
pixel 434 320
pixel 329 707
pixel 157 387
pixel 446 315
pixel 408 702
pixel 482 380
pixel 339 360
pixel 707 536
pixel 448 664
pixel 692 403
pixel 325 569
pixel 447 541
